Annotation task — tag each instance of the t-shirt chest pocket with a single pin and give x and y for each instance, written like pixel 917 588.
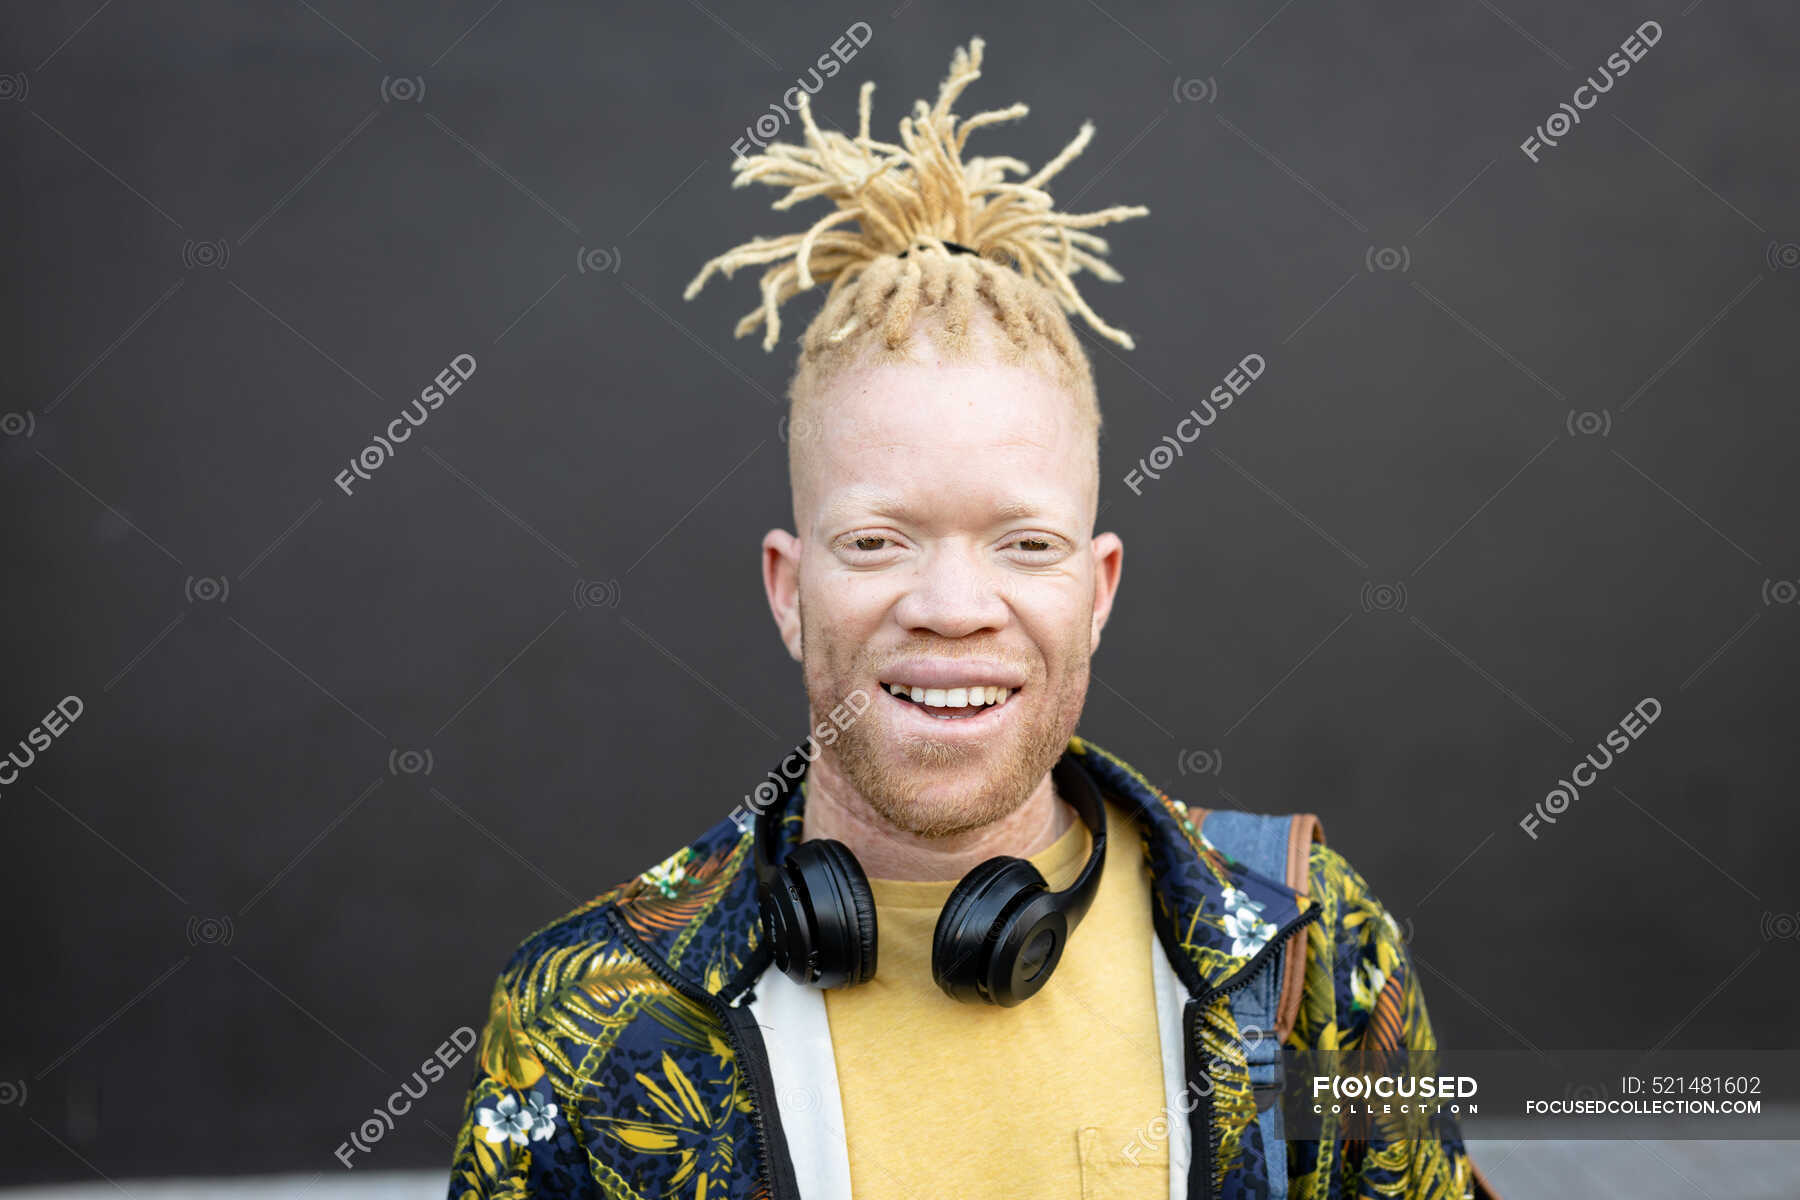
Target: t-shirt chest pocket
pixel 1118 1163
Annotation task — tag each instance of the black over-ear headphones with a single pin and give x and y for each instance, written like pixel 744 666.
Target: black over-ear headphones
pixel 998 938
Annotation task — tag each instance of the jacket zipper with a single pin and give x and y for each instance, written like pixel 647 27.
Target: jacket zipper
pixel 1200 1063
pixel 776 1173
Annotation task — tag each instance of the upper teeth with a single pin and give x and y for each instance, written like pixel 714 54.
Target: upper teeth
pixel 958 697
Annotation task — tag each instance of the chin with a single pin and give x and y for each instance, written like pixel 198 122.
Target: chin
pixel 936 789
pixel 943 813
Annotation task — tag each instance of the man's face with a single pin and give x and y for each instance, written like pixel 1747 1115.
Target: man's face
pixel 945 544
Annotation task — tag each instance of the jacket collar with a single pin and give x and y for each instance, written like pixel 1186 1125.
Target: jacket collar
pixel 697 910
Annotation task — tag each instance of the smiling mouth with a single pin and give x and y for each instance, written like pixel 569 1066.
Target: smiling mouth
pixel 951 704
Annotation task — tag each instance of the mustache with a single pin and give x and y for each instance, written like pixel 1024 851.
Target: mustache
pixel 939 653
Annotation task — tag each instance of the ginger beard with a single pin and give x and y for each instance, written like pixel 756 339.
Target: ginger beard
pixel 934 788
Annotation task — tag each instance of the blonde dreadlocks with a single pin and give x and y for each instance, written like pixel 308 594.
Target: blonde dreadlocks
pixel 920 199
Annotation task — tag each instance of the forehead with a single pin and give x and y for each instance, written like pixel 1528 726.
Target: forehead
pixel 909 437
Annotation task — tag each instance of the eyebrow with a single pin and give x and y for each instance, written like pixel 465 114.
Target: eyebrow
pixel 888 504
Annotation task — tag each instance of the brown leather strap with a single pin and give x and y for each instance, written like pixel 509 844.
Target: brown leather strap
pixel 1304 830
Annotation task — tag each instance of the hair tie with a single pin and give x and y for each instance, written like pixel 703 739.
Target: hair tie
pixel 952 247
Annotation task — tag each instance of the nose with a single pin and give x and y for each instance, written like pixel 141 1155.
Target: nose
pixel 954 591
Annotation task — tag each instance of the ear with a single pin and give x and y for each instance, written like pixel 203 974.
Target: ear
pixel 1109 560
pixel 781 581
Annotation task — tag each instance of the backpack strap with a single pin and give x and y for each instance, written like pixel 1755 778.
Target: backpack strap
pixel 1277 848
pixel 1303 831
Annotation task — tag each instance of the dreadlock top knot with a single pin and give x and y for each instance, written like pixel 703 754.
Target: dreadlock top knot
pixel 983 239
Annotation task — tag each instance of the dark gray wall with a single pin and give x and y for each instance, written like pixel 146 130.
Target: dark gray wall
pixel 1523 455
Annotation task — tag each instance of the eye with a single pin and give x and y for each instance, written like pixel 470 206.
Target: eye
pixel 1035 545
pixel 867 549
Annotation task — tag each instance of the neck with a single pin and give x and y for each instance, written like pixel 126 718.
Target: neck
pixel 835 809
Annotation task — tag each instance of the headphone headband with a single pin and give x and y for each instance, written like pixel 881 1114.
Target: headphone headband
pixel 1075 785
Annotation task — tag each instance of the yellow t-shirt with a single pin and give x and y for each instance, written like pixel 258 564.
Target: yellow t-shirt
pixel 1039 1100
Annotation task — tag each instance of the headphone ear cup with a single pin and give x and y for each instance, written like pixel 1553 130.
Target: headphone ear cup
pixel 786 923
pixel 971 928
pixel 833 913
pixel 860 940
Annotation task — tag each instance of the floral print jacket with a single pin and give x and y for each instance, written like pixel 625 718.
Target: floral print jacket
pixel 619 1058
